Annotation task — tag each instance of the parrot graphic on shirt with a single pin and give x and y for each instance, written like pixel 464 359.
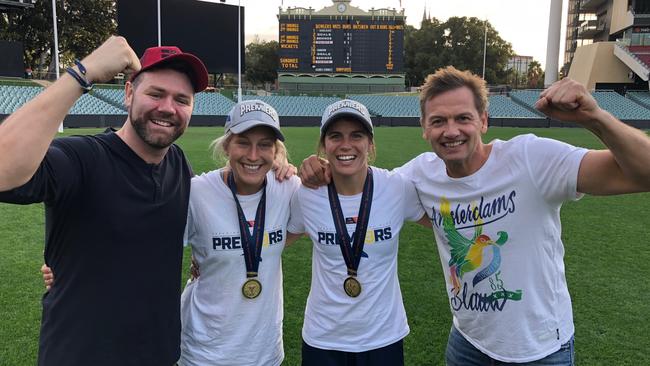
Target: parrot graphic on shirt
pixel 467 254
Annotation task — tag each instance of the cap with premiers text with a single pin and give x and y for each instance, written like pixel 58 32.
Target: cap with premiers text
pixel 346 108
pixel 252 113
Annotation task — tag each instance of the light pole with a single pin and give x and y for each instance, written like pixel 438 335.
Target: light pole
pixel 484 48
pixel 56 48
pixel 159 41
pixel 238 51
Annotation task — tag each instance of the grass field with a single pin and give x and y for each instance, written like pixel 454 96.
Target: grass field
pixel 607 263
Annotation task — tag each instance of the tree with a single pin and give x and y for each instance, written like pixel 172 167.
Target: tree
pixel 262 62
pixel 82 26
pixel 535 75
pixel 459 42
pixel 422 50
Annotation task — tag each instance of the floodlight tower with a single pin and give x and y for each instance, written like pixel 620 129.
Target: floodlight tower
pixel 553 42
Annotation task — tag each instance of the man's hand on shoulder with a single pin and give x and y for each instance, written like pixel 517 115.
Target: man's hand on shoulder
pixel 315 172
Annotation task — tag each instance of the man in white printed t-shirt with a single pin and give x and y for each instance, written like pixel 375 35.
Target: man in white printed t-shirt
pixel 495 210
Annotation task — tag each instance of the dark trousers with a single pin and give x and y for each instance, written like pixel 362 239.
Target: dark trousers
pixel 391 355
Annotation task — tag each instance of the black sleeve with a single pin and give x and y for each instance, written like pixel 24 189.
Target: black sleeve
pixel 58 176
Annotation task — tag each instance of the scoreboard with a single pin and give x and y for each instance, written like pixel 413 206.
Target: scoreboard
pixel 343 45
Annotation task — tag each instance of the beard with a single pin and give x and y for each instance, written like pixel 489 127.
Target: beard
pixel 156 141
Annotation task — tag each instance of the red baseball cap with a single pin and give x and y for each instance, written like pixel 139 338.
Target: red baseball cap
pixel 158 55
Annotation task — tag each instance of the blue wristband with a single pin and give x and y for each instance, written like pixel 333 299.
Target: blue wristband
pixel 83 82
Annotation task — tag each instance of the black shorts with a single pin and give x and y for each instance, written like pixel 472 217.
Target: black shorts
pixel 391 355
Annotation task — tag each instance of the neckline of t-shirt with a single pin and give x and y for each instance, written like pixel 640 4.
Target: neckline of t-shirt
pixel 241 197
pixel 126 151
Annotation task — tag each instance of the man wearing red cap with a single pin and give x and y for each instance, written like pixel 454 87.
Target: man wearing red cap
pixel 115 206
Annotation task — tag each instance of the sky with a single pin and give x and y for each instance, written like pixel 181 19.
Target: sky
pixel 523 23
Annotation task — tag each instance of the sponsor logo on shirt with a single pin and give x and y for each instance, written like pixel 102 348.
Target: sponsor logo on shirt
pixel 373 235
pixel 230 242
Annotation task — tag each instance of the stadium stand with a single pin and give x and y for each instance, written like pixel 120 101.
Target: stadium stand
pixel 639 97
pixel 621 107
pixel 526 97
pixel 210 108
pixel 89 105
pixel 12 96
pixel 296 106
pixel 503 107
pixel 642 53
pixel 211 104
pixel 390 105
pixel 114 97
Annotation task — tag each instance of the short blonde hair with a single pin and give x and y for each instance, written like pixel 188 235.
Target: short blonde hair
pixel 450 78
pixel 219 148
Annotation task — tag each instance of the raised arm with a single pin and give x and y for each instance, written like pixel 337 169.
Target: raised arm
pixel 624 167
pixel 27 133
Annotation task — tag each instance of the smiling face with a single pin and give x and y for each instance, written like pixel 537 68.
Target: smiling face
pixel 250 156
pixel 346 145
pixel 160 105
pixel 453 126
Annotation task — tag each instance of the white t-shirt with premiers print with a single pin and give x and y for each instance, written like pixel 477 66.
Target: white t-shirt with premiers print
pixel 220 326
pixel 498 232
pixel 376 318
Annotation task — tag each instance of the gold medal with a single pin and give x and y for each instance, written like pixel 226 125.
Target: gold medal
pixel 251 288
pixel 352 286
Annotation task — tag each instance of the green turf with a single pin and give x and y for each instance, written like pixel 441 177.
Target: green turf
pixel 607 261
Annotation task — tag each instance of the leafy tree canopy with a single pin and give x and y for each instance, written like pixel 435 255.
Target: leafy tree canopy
pixel 82 26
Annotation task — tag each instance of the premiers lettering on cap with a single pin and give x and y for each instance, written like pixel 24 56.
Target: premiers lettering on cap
pixel 255 107
pixel 347 104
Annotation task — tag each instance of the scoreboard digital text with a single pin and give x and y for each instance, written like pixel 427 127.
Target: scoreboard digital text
pixel 341 46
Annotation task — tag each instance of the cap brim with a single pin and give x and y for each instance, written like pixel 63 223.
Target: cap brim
pixel 245 126
pixel 343 114
pixel 200 80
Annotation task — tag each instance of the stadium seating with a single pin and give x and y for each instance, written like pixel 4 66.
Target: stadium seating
pixel 642 53
pixel 211 104
pixel 12 97
pixel 639 97
pixel 114 97
pixel 390 105
pixel 503 107
pixel 526 97
pixel 302 106
pixel 88 104
pixel 620 107
pixel 520 104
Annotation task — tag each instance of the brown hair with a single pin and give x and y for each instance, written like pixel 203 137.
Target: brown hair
pixel 450 78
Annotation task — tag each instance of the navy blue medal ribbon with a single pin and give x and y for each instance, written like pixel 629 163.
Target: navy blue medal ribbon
pixel 251 243
pixel 352 252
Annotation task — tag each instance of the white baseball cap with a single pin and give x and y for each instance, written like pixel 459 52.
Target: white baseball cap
pixel 252 113
pixel 346 108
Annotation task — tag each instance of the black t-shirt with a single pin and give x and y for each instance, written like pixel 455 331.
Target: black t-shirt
pixel 114 231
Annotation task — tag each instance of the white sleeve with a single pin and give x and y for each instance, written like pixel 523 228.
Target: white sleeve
pixel 413 210
pixel 190 230
pixel 296 223
pixel 408 170
pixel 553 167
